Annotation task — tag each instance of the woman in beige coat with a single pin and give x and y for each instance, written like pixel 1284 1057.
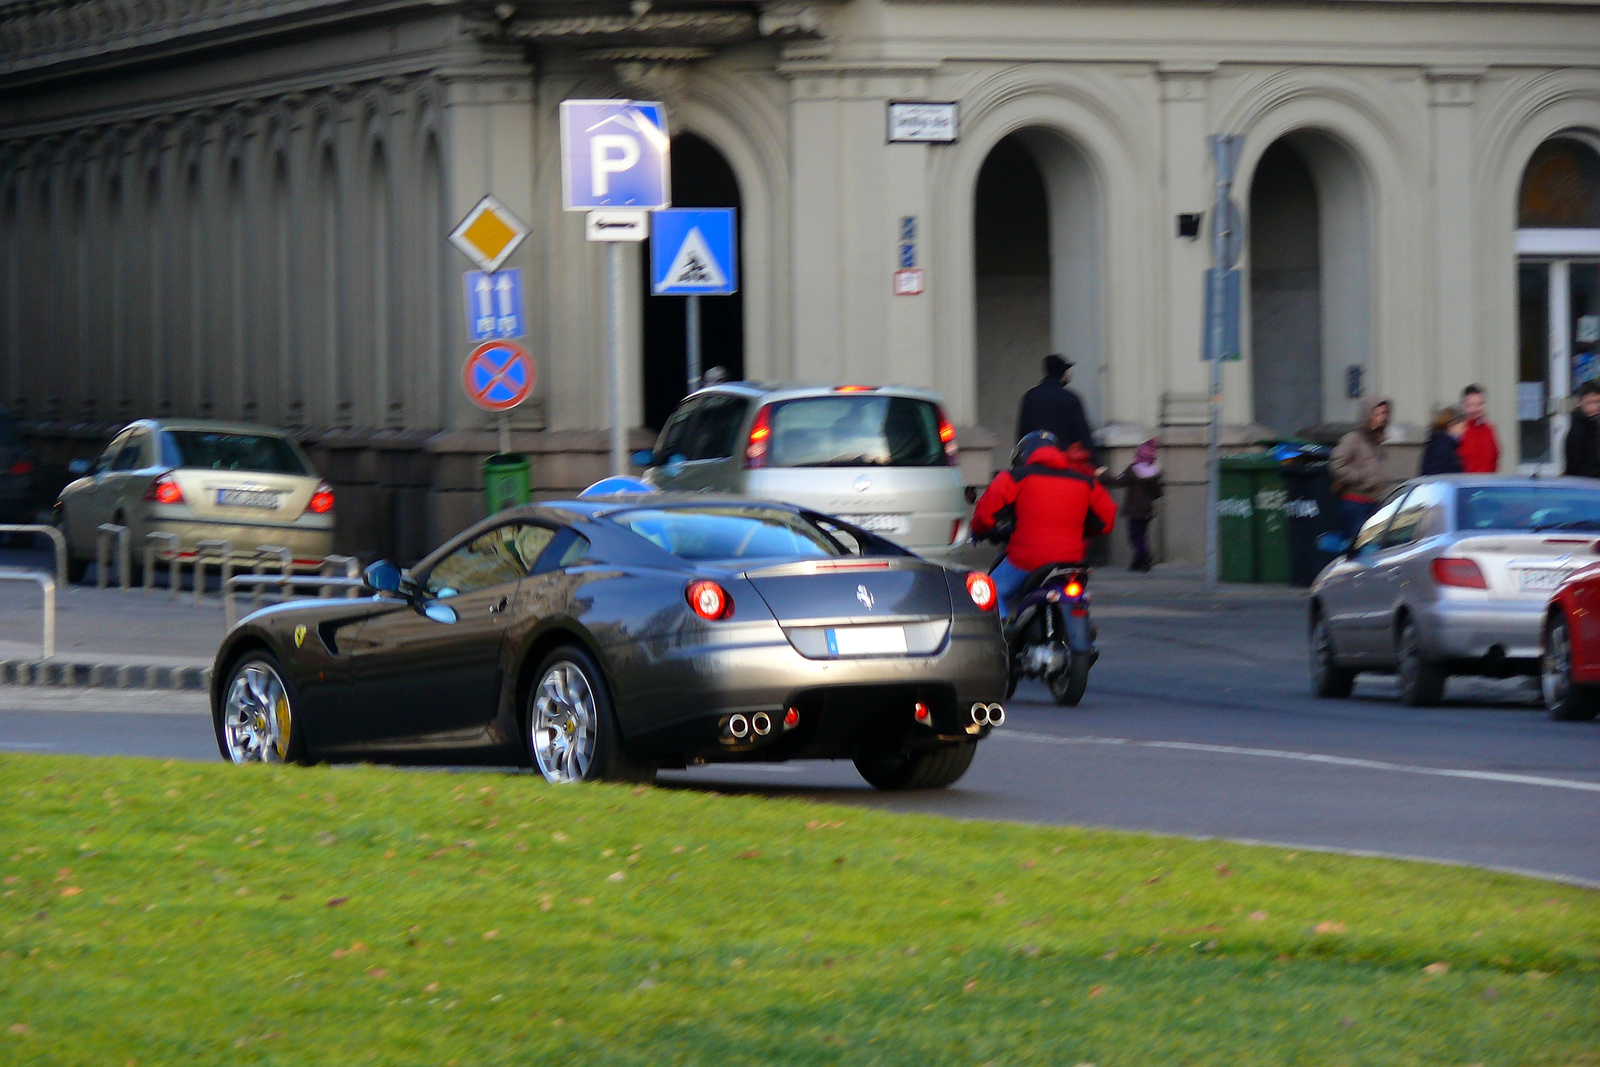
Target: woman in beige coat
pixel 1357 466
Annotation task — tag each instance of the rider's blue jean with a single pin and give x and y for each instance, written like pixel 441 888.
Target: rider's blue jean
pixel 1008 581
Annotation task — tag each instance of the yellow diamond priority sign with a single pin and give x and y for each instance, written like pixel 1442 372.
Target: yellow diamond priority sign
pixel 489 234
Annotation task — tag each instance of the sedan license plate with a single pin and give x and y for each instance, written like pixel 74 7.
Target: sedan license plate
pixel 1540 580
pixel 248 498
pixel 867 641
pixel 880 524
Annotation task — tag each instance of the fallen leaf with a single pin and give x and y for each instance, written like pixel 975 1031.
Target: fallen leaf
pixel 1096 991
pixel 750 854
pixel 359 946
pixel 559 837
pixel 520 846
pixel 1029 865
pixel 338 953
pixel 1258 916
pixel 677 849
pixel 1330 928
pixel 378 972
pixel 615 876
pixel 639 791
pixel 972 983
pixel 1346 1023
pixel 1437 967
pixel 648 983
pixel 1224 871
pixel 20 1028
pixel 545 903
pixel 431 987
pixel 71 891
pixel 737 963
pixel 1046 1002
pixel 1491 993
pixel 1537 976
pixel 334 902
pixel 490 935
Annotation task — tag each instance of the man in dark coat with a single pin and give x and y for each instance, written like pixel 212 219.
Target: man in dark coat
pixel 1052 407
pixel 1583 437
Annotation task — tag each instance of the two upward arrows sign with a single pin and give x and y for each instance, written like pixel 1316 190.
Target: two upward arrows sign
pixel 494 304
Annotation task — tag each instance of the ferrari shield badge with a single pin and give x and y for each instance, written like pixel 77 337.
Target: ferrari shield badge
pixel 299 635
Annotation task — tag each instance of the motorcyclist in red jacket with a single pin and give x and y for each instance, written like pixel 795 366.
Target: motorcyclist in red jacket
pixel 1056 498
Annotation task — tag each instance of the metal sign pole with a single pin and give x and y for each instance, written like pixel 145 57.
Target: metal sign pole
pixel 692 317
pixel 503 425
pixel 619 433
pixel 1222 155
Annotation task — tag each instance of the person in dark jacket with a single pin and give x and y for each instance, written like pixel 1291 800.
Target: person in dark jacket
pixel 1142 480
pixel 1442 454
pixel 1583 436
pixel 1053 408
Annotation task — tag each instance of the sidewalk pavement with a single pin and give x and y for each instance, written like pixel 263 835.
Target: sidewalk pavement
pixel 145 640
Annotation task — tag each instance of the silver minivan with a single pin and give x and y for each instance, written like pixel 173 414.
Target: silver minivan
pixel 880 457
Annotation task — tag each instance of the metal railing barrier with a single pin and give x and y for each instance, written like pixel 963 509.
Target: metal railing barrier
pixel 48 585
pixel 222 552
pixel 164 545
pixel 330 567
pixel 102 558
pixel 55 535
pixel 285 583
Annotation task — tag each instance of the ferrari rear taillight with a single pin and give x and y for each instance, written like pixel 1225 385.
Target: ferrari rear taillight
pixel 21 466
pixel 755 451
pixel 321 500
pixel 709 600
pixel 1461 573
pixel 981 588
pixel 947 435
pixel 164 490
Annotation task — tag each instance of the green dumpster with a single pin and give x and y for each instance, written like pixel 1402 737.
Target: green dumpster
pixel 506 482
pixel 1252 519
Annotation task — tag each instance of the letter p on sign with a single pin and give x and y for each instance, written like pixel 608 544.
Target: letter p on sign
pixel 614 154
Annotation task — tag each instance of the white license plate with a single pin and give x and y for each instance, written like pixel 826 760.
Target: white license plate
pixel 882 524
pixel 248 498
pixel 867 641
pixel 1543 580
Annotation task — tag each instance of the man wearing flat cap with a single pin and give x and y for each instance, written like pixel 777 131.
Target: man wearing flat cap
pixel 1051 406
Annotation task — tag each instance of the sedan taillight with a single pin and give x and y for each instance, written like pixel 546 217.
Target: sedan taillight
pixel 164 490
pixel 1462 573
pixel 21 466
pixel 321 500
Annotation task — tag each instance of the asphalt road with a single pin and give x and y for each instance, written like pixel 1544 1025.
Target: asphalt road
pixel 1198 721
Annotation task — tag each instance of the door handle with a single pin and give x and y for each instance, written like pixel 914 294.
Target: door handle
pixel 495 609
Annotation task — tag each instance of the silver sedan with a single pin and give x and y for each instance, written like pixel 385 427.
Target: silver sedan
pixel 1450 576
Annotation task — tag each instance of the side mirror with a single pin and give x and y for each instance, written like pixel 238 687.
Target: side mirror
pixel 643 457
pixel 383 576
pixel 440 612
pixel 78 467
pixel 1333 543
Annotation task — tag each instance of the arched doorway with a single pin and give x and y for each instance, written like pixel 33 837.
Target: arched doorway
pixel 1310 284
pixel 701 177
pixel 1036 266
pixel 1558 289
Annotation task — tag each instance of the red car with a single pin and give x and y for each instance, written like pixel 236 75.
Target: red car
pixel 1569 664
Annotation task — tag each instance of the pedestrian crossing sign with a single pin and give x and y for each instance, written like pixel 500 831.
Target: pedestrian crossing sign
pixel 694 252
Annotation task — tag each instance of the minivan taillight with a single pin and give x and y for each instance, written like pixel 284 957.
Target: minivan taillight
pixel 1462 573
pixel 755 450
pixel 947 435
pixel 21 466
pixel 164 490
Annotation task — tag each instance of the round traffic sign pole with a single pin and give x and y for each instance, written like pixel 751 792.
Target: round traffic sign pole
pixel 498 375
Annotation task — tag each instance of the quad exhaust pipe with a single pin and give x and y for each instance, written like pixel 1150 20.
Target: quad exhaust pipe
pixel 988 715
pixel 761 723
pixel 739 726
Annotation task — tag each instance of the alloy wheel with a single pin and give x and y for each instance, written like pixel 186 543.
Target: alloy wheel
pixel 257 717
pixel 1555 668
pixel 563 724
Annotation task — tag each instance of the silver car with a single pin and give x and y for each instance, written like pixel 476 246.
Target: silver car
pixel 1450 576
pixel 199 481
pixel 882 458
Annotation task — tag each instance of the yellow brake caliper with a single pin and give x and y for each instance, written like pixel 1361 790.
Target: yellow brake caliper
pixel 280 712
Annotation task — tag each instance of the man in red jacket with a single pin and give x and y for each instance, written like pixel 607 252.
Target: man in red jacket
pixel 1056 496
pixel 1478 448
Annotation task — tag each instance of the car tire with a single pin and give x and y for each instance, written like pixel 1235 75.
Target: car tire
pixel 1421 679
pixel 892 767
pixel 1068 687
pixel 570 725
pixel 1563 698
pixel 1328 679
pixel 255 719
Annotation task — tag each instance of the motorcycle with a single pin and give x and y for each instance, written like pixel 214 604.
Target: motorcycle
pixel 1049 635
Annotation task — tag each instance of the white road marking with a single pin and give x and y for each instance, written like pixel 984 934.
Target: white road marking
pixel 9 745
pixel 1307 757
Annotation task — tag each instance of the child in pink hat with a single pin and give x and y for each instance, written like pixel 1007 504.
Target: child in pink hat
pixel 1142 480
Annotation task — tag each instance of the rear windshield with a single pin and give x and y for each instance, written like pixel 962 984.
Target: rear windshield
pixel 1528 507
pixel 855 430
pixel 722 533
pixel 8 430
pixel 208 450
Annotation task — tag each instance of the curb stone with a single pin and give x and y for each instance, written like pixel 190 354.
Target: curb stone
pixel 65 675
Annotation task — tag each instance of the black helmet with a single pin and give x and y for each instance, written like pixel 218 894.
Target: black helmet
pixel 1029 445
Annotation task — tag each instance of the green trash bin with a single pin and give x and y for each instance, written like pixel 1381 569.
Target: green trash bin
pixel 506 482
pixel 1253 519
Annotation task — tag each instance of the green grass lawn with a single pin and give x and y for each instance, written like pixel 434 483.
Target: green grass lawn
pixel 181 913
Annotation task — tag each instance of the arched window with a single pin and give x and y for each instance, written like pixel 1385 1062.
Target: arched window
pixel 1561 187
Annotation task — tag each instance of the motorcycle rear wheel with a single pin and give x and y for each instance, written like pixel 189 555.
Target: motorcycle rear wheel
pixel 1068 687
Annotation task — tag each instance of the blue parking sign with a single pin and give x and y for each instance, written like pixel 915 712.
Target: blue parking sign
pixel 614 154
pixel 694 252
pixel 494 304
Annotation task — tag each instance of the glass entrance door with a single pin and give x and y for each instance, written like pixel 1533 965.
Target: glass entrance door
pixel 1559 349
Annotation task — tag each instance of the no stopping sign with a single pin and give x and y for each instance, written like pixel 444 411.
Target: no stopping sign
pixel 498 375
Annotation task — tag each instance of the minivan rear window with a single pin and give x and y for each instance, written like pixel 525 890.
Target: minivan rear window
pixel 855 430
pixel 1528 507
pixel 209 450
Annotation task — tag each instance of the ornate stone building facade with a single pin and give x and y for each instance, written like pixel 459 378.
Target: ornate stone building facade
pixel 237 209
